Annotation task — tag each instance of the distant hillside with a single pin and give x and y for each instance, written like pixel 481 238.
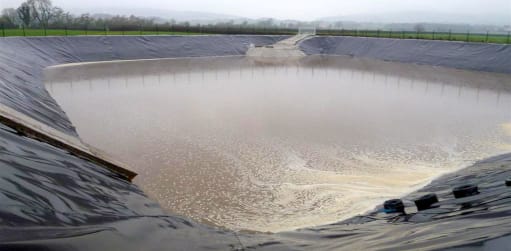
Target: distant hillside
pixel 178 16
pixel 388 21
pixel 424 17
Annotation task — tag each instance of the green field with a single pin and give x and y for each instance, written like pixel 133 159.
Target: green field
pixel 467 37
pixel 62 32
pixel 481 38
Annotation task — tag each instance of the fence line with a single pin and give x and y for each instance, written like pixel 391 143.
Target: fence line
pixel 106 30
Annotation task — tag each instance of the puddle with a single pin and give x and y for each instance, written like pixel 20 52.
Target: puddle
pixel 274 147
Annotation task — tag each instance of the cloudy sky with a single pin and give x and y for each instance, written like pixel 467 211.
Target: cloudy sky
pixel 294 9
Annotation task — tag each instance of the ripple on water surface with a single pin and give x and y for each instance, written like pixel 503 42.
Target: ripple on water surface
pixel 274 147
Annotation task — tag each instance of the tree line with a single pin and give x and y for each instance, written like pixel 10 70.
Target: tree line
pixel 42 14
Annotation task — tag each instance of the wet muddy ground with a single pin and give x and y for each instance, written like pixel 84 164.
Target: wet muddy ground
pixel 273 147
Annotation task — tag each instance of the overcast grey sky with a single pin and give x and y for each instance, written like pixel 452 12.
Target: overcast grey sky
pixel 294 9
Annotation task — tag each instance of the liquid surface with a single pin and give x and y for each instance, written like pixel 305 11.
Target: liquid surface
pixel 273 147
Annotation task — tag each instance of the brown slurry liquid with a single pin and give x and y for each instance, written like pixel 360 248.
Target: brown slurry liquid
pixel 274 147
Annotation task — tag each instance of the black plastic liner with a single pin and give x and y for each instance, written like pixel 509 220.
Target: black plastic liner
pixel 51 200
pixel 461 55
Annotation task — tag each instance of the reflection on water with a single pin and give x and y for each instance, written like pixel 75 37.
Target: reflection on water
pixel 245 145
